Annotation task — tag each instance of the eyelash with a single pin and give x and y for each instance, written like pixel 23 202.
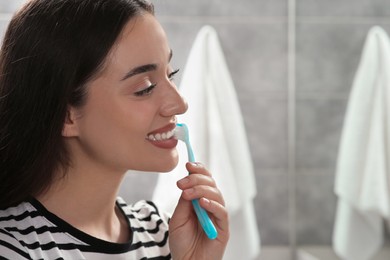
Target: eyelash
pixel 148 90
pixel 172 74
pixel 145 91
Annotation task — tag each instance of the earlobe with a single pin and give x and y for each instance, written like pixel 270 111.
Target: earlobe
pixel 70 127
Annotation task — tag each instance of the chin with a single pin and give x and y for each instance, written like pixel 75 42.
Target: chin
pixel 167 164
pixel 159 166
pixel 167 167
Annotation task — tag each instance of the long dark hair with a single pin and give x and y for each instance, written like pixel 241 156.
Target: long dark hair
pixel 50 50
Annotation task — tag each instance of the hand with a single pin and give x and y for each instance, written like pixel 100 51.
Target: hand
pixel 187 239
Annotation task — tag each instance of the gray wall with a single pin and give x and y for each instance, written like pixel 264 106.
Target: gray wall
pixel 293 64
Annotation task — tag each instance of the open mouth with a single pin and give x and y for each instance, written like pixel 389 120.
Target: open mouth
pixel 161 136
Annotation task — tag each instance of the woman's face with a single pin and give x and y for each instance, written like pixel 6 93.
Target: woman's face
pixel 130 111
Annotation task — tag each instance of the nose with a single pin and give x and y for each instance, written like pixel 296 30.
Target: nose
pixel 173 102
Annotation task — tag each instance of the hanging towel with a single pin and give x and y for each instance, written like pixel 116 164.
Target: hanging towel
pixel 362 174
pixel 219 141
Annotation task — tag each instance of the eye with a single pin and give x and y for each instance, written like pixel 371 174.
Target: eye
pixel 146 91
pixel 171 75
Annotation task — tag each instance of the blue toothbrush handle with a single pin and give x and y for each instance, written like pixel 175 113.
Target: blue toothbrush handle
pixel 205 220
pixel 203 217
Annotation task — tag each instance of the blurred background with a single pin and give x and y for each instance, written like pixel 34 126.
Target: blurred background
pixel 293 64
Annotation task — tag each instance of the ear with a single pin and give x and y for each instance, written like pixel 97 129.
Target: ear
pixel 70 128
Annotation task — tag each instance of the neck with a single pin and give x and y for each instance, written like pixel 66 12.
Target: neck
pixel 86 199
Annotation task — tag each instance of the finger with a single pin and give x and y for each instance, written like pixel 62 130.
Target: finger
pixel 194 180
pixel 202 191
pixel 219 213
pixel 197 168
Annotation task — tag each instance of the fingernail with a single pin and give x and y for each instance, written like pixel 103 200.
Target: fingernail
pixel 196 164
pixel 206 200
pixel 183 181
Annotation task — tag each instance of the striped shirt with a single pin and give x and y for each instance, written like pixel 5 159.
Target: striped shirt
pixel 30 231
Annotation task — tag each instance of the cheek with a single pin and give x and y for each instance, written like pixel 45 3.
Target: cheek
pixel 118 126
pixel 113 129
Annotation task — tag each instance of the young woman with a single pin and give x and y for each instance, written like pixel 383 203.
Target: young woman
pixel 86 93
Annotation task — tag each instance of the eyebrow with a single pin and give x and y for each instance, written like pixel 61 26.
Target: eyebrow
pixel 144 68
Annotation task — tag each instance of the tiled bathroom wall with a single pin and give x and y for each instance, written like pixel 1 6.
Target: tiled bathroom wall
pixel 277 66
pixel 329 40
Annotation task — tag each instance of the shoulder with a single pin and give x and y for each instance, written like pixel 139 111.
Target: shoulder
pixel 10 247
pixel 17 215
pixel 11 219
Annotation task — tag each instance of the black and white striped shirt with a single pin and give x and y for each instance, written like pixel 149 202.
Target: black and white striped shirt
pixel 30 231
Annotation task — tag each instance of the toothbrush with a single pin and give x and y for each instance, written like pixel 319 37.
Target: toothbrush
pixel 182 133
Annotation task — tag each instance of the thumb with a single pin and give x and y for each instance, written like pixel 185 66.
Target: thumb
pixel 183 210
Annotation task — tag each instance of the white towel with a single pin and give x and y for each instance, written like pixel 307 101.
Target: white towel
pixel 219 140
pixel 362 174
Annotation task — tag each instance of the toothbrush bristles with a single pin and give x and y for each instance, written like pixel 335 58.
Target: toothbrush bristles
pixel 180 132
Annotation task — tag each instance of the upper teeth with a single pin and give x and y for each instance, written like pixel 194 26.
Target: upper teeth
pixel 161 136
